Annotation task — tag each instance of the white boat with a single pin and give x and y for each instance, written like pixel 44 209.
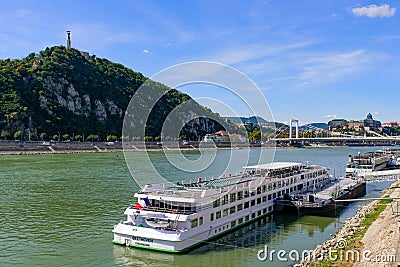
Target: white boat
pixel 374 164
pixel 181 216
pixel 157 223
pixel 394 154
pixel 362 165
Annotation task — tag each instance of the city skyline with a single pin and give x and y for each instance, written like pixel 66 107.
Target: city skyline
pixel 313 61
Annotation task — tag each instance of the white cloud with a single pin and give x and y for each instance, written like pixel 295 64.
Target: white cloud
pixel 328 67
pixel 145 51
pixel 256 51
pixel 330 116
pixel 377 113
pixel 387 38
pixel 23 13
pixel 374 11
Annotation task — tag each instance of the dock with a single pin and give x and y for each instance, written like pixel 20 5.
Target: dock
pixel 323 202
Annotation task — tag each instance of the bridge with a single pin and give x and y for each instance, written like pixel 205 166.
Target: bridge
pixel 358 139
pixel 342 138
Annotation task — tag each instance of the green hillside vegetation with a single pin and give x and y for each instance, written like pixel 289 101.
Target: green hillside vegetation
pixel 63 93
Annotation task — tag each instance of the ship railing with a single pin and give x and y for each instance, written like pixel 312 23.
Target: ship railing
pixel 205 207
pixel 168 210
pixel 226 179
pixel 200 181
pixel 126 222
pixel 308 204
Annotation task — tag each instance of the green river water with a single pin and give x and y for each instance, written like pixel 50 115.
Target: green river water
pixel 59 210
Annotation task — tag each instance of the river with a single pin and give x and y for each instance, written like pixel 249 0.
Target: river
pixel 59 210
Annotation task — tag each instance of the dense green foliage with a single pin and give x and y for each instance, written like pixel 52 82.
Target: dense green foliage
pixel 58 91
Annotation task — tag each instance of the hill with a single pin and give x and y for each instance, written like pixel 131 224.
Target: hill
pixel 314 125
pixel 66 92
pixel 253 119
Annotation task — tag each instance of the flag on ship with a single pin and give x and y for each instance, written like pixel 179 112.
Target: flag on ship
pixel 144 202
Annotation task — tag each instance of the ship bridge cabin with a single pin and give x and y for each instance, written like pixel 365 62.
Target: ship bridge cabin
pixel 274 169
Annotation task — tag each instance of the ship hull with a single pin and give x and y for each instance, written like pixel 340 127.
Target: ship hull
pixel 180 244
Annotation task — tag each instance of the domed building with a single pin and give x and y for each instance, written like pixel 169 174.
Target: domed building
pixel 368 124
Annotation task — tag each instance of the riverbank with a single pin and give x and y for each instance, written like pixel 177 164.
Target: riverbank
pixel 28 148
pixel 369 238
pixel 36 147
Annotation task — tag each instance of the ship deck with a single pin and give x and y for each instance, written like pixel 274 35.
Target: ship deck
pixel 252 177
pixel 329 192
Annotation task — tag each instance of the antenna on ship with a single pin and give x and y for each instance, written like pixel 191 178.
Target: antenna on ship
pixel 68 39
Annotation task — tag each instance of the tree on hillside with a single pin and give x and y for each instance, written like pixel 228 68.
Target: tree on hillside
pixel 255 135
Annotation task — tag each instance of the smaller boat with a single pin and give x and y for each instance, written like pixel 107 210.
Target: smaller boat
pixel 157 223
pixel 394 154
pixel 373 165
pixel 323 202
pixel 367 163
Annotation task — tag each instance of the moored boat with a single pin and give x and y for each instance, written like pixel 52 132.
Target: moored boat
pixel 183 215
pixel 367 163
pixel 325 202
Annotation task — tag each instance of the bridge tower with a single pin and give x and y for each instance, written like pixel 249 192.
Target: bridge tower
pixel 291 128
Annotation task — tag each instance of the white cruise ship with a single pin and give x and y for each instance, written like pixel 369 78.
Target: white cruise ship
pixel 180 217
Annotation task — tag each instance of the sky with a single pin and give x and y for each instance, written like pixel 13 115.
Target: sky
pixel 311 60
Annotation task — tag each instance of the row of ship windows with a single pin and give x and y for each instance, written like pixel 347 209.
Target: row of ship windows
pixel 231 210
pixel 235 222
pixel 245 194
pixel 239 195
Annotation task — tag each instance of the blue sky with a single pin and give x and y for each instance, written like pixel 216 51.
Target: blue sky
pixel 313 60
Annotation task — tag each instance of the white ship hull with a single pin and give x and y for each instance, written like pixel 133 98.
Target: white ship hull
pixel 367 173
pixel 181 241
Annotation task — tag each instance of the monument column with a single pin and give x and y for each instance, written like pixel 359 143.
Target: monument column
pixel 68 39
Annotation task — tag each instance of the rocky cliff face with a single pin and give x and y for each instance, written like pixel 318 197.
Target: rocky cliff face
pixel 66 96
